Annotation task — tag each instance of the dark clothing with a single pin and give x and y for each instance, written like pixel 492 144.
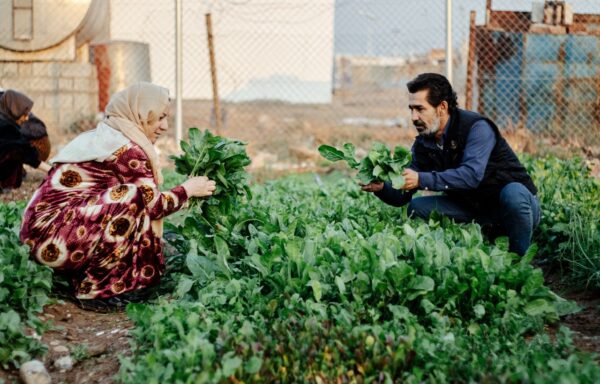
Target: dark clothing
pixel 34 131
pixel 481 140
pixel 472 168
pixel 457 158
pixel 15 151
pixel 469 174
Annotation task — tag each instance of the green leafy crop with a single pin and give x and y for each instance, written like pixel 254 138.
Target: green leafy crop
pixel 220 159
pixel 379 165
pixel 24 288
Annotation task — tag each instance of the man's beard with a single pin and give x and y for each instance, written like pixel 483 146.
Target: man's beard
pixel 429 130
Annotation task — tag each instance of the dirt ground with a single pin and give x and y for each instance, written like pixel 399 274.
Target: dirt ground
pixel 96 340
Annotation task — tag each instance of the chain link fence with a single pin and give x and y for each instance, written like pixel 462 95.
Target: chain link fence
pixel 293 74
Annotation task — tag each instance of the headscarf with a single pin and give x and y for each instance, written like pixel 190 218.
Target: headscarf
pixel 14 104
pixel 132 111
pixel 128 116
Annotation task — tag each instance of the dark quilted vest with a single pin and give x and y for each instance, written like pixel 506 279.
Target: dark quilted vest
pixel 503 166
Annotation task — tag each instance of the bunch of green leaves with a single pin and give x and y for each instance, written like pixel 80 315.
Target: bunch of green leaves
pixel 24 289
pixel 218 158
pixel 222 160
pixel 380 164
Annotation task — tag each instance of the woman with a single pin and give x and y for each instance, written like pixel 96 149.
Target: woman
pixel 15 149
pixel 97 217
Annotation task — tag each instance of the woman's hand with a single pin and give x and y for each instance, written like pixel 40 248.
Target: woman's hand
pixel 199 186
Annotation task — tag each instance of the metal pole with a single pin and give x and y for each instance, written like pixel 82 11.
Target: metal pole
pixel 178 73
pixel 449 40
pixel 213 73
pixel 471 62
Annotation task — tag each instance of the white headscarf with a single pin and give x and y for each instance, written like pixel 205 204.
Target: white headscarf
pixel 128 116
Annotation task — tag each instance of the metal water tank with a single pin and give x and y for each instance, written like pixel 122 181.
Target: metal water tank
pixel 28 25
pixel 119 64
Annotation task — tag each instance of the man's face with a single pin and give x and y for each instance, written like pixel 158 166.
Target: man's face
pixel 424 116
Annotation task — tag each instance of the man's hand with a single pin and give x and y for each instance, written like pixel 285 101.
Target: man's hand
pixel 372 187
pixel 411 179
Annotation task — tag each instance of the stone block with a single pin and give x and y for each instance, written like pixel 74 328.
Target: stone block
pixel 76 70
pixel 86 104
pixel 12 83
pixel 50 101
pixel 41 83
pixel 45 69
pixel 9 70
pixel 65 84
pixel 83 85
pixel 65 101
pixel 25 69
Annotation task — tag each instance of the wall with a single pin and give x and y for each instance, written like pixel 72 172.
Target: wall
pixel 63 92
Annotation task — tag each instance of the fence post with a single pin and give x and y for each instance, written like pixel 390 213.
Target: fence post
pixel 213 73
pixel 449 40
pixel 178 73
pixel 470 63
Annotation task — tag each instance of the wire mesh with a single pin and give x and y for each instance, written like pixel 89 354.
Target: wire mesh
pixel 293 74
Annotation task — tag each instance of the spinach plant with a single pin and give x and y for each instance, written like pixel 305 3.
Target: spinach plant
pixel 219 159
pixel 380 164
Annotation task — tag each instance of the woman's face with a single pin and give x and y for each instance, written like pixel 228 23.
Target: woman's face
pixel 159 127
pixel 23 119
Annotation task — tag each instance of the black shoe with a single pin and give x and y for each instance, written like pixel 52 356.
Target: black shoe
pixel 112 304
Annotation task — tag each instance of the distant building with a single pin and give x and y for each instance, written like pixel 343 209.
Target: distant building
pixel 356 75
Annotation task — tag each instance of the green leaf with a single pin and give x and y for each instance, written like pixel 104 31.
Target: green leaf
pixel 397 180
pixel 316 288
pixel 184 286
pixel 331 153
pixel 253 365
pixel 539 307
pixel 223 254
pixel 422 283
pixel 230 365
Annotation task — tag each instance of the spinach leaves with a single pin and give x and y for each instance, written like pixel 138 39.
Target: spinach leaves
pixel 379 165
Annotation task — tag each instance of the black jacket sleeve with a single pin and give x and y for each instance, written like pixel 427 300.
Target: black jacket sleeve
pixel 395 197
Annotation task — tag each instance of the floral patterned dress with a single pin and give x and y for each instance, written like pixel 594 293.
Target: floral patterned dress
pixel 91 221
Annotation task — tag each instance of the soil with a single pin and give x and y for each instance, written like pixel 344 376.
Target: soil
pixel 585 324
pixel 96 340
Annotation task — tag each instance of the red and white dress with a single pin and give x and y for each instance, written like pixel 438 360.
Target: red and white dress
pixel 91 221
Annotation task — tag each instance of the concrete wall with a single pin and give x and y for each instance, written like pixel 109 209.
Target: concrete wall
pixel 63 92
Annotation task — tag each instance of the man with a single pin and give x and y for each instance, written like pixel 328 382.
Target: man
pixel 463 155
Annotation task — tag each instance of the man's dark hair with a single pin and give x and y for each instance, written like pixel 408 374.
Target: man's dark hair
pixel 439 89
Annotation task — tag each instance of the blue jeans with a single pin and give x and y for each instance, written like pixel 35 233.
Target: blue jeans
pixel 517 213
